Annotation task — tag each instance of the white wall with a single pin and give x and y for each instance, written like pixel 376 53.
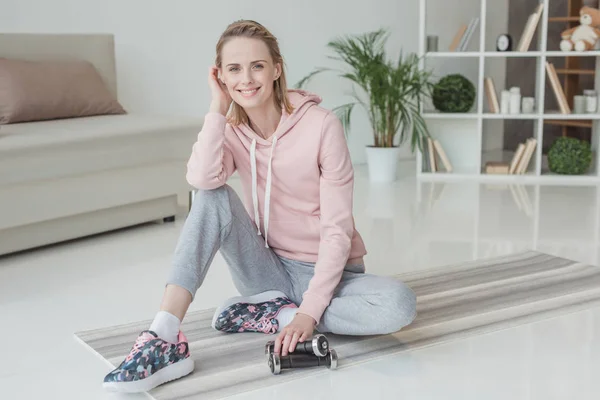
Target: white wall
pixel 164 48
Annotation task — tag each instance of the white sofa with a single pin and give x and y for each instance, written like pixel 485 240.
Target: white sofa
pixel 68 178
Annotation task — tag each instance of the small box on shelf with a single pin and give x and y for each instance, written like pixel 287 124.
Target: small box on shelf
pixel 497 167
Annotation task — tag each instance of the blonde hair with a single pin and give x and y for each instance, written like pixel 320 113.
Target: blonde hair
pixel 254 30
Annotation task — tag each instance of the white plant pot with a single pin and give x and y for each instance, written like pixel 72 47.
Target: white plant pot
pixel 382 163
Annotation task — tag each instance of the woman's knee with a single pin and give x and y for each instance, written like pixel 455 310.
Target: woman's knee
pixel 400 303
pixel 212 195
pixel 211 199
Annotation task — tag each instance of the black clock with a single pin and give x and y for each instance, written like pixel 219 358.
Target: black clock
pixel 504 42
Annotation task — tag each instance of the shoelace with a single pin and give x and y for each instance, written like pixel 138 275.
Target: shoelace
pixel 264 325
pixel 139 343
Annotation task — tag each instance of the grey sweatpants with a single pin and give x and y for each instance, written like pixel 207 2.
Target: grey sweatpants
pixel 363 304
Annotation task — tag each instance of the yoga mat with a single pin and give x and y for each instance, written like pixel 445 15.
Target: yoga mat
pixel 453 302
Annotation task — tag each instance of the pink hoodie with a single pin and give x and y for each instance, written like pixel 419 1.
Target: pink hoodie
pixel 298 185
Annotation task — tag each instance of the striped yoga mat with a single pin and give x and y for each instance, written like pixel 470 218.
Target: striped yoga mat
pixel 454 302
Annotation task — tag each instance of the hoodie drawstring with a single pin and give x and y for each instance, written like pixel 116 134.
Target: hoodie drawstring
pixel 268 192
pixel 254 195
pixel 267 189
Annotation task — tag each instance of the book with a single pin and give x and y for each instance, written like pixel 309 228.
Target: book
pixel 496 167
pixel 516 158
pixel 557 88
pixel 527 154
pixel 492 98
pixel 468 34
pixel 431 151
pixel 457 38
pixel 529 30
pixel 443 156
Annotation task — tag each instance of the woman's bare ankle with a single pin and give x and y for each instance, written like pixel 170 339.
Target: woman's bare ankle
pixel 176 300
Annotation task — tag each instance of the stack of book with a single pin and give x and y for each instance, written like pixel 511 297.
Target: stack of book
pixel 431 163
pixel 522 157
pixel 519 163
pixel 463 36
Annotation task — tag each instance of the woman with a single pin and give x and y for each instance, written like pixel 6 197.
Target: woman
pixel 294 253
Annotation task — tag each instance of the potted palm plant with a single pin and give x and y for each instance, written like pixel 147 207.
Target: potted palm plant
pixel 389 92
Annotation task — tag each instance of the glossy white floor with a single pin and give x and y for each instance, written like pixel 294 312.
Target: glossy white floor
pixel 47 294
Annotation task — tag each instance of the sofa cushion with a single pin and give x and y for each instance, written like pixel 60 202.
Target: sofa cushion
pixel 52 89
pixel 58 148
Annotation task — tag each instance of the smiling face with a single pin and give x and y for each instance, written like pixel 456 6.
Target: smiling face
pixel 249 72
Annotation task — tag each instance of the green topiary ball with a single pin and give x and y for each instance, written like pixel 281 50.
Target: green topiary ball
pixel 453 93
pixel 569 156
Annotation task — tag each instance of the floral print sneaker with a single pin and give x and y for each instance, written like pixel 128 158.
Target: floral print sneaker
pixel 251 314
pixel 150 363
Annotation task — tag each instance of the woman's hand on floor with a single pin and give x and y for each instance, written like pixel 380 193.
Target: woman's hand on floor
pixel 300 329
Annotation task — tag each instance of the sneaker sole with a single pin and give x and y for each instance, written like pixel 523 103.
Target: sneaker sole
pixel 167 374
pixel 257 298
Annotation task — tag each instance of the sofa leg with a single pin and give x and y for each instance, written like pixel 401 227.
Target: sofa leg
pixel 169 219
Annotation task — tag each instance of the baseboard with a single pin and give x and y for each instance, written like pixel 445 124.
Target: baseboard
pixel 58 230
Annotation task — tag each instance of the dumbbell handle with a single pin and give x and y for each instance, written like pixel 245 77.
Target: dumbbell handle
pixel 319 346
pixel 301 360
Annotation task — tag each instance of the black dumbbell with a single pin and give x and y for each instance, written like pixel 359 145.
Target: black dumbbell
pixel 319 346
pixel 278 363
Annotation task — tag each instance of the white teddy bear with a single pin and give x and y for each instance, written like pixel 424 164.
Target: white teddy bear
pixel 584 36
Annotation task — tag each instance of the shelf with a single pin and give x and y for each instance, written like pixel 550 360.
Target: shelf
pixel 509 116
pixel 575 71
pixel 443 115
pixel 557 53
pixel 452 54
pixel 558 115
pixel 566 122
pixel 547 116
pixel 591 53
pixel 468 138
pixel 563 19
pixel 512 53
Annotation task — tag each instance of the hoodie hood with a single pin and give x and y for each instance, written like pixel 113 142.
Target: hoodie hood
pixel 301 101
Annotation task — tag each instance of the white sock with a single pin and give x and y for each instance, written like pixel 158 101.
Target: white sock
pixel 285 316
pixel 166 326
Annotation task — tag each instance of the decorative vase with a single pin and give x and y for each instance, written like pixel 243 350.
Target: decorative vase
pixel 382 163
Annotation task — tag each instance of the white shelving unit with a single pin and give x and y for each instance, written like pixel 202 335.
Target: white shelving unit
pixel 466 137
